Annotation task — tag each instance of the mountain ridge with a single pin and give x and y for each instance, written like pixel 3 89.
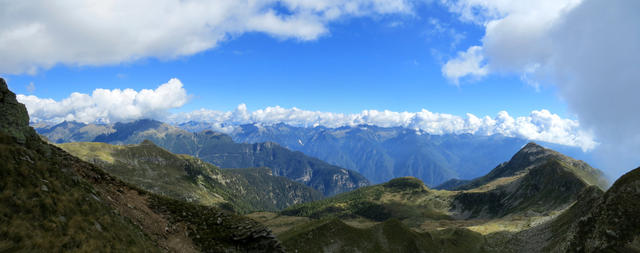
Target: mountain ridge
pixel 221 150
pixel 383 153
pixel 529 156
pixel 188 178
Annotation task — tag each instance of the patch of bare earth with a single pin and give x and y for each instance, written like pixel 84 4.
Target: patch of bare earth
pixel 277 223
pixel 134 205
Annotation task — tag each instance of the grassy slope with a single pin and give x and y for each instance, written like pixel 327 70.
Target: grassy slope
pixel 597 222
pixel 333 235
pixel 46 206
pixel 532 155
pixel 188 178
pixel 52 201
pixel 614 222
pixel 543 189
pixel 402 198
pixel 85 209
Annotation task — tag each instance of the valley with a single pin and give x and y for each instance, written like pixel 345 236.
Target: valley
pixel 141 195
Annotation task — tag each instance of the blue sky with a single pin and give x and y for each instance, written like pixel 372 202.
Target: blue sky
pixel 560 71
pixel 387 62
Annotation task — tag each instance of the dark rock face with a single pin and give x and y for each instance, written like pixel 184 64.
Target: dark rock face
pixel 14 119
pixel 614 223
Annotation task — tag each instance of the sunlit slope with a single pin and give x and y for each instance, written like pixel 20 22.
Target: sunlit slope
pixel 185 177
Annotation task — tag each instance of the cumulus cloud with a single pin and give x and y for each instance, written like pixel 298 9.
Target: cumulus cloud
pixel 540 125
pixel 31 87
pixel 110 106
pixel 589 49
pixel 40 34
pixel 107 106
pixel 469 63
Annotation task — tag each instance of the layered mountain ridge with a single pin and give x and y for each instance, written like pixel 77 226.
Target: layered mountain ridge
pixel 538 192
pixel 384 153
pixel 191 179
pixel 218 149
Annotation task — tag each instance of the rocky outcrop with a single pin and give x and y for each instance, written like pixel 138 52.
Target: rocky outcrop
pixel 14 119
pixel 613 225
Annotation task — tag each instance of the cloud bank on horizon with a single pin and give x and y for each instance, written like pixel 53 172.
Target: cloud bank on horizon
pixel 589 49
pixel 110 106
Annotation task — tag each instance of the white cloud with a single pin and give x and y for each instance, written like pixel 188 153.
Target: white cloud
pixel 589 49
pixel 110 106
pixel 31 87
pixel 106 106
pixel 40 34
pixel 539 125
pixel 469 63
pixel 516 35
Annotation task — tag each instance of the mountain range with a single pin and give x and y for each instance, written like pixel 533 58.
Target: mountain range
pixel 384 153
pixel 216 148
pixel 378 153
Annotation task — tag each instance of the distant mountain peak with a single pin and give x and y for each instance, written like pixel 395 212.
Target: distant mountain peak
pixel 531 147
pixel 532 156
pixel 404 183
pixel 147 142
pixel 146 123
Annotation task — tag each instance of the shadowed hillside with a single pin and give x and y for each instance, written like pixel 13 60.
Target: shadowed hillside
pixel 333 235
pixel 185 177
pixel 52 201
